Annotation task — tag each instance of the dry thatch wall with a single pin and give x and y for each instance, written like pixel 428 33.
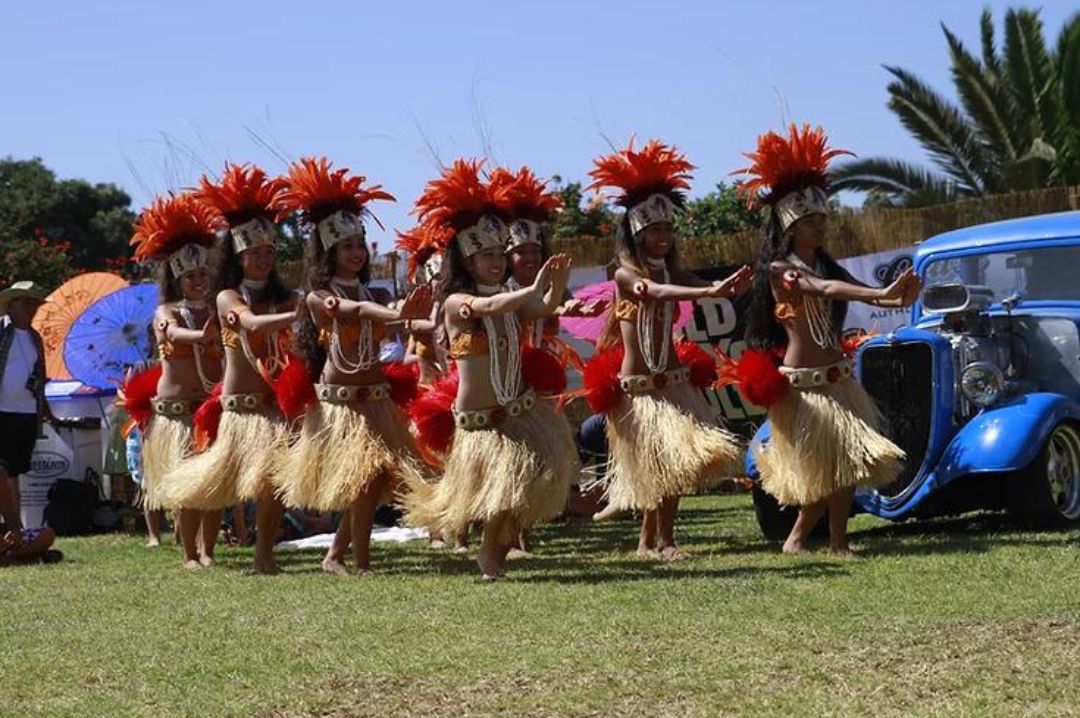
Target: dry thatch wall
pixel 855 231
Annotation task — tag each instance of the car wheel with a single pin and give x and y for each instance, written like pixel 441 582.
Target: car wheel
pixel 1046 494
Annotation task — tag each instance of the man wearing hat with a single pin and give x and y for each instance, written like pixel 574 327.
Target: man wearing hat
pixel 22 394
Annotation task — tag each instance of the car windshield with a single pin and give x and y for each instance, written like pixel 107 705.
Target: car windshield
pixel 1043 273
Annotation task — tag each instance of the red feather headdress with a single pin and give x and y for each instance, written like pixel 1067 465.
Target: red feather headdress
pixel 243 193
pixel 317 192
pixel 459 205
pixel 790 173
pixel 650 182
pixel 169 225
pixel 656 169
pixel 246 198
pixel 421 245
pixel 523 202
pixel 521 195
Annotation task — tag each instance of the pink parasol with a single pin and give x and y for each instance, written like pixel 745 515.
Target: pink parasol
pixel 590 328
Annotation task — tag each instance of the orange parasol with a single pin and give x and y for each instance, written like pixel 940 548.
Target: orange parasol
pixel 55 317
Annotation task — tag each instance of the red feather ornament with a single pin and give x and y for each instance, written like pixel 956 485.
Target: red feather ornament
pixel 702 365
pixel 206 420
pixel 293 389
pixel 542 371
pixel 136 393
pixel 757 376
pixel 404 381
pixel 601 378
pixel 433 417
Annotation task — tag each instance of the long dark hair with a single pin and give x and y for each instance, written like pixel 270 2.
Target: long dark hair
pixel 454 276
pixel 168 284
pixel 230 273
pixel 320 266
pixel 629 253
pixel 762 329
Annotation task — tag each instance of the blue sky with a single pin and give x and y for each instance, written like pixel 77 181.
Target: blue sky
pixel 151 94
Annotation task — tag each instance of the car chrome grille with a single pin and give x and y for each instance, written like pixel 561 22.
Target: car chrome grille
pixel 900 378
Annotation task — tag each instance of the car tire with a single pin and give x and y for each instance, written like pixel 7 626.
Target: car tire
pixel 1046 493
pixel 774 520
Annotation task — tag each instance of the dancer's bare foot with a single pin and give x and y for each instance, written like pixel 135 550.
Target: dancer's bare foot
pixel 647 552
pixel 192 565
pixel 206 561
pixel 153 542
pixel 334 566
pixel 608 512
pixel 673 553
pixel 436 544
pixel 488 561
pixel 518 553
pixel 461 548
pixel 844 552
pixel 266 567
pixel 363 572
pixel 795 548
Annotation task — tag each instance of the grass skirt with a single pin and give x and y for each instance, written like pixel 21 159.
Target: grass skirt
pixel 824 439
pixel 666 443
pixel 341 449
pixel 521 470
pixel 239 466
pixel 166 442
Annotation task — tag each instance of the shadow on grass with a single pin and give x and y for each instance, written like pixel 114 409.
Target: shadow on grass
pixel 971 533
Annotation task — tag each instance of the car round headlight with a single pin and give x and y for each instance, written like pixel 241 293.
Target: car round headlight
pixel 982 383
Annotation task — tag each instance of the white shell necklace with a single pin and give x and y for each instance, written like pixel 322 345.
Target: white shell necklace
pixel 656 361
pixel 505 380
pixel 187 316
pixel 275 359
pixel 366 356
pixel 818 311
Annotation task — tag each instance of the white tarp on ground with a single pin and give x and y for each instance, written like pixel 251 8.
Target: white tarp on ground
pixel 394 534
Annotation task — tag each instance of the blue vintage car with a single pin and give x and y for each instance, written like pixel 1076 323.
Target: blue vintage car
pixel 982 390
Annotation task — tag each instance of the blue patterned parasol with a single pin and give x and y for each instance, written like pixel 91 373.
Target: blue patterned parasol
pixel 112 335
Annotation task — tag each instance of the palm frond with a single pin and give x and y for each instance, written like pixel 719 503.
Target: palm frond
pixel 942 130
pixel 1029 72
pixel 900 181
pixel 1067 135
pixel 991 60
pixel 984 99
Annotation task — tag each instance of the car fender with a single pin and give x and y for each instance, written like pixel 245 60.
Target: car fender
pixel 750 462
pixel 1005 437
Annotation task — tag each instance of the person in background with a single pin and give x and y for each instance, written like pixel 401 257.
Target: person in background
pixel 22 398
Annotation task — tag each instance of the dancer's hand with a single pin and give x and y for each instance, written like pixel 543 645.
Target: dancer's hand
pixel 734 284
pixel 560 270
pixel 210 330
pixel 549 272
pixel 417 304
pixel 911 291
pixel 900 286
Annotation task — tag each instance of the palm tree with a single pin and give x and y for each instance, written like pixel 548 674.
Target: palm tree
pixel 1017 125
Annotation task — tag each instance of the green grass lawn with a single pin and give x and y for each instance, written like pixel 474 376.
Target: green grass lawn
pixel 952 617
